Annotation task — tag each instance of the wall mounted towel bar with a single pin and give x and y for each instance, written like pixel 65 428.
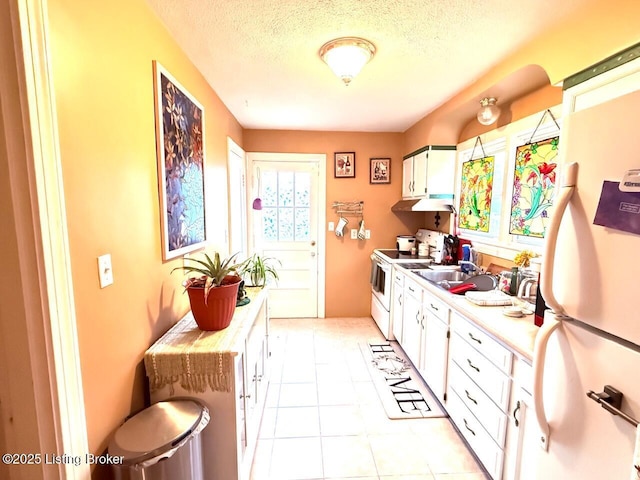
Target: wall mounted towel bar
pixel 611 400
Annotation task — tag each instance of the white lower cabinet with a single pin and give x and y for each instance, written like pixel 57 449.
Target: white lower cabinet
pixel 479 388
pixel 229 441
pixel 523 433
pixel 435 344
pixel 484 386
pixel 396 305
pixel 412 321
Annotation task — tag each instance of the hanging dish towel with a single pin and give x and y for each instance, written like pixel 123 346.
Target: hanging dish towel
pixel 361 232
pixel 635 469
pixel 340 227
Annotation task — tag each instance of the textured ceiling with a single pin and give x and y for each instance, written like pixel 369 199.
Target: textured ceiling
pixel 261 56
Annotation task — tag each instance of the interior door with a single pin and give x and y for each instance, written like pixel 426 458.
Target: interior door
pixel 287 229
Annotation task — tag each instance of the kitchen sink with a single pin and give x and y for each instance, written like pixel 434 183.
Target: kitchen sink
pixel 442 275
pixel 443 278
pixel 447 279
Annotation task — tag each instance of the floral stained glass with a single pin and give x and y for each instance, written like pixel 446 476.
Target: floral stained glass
pixel 286 207
pixel 475 194
pixel 533 184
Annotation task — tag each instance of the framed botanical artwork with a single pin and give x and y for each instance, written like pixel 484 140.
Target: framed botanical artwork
pixel 344 165
pixel 379 170
pixel 180 157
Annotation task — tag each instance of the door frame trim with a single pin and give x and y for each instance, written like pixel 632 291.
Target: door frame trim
pixel 43 246
pixel 320 159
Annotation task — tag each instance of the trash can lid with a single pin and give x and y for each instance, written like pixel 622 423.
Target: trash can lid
pixel 157 429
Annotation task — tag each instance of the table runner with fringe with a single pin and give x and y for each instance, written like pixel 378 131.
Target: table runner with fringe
pixel 197 359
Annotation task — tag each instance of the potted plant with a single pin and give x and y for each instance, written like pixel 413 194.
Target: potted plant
pixel 257 270
pixel 212 293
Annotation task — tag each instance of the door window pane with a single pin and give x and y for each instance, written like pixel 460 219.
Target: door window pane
pixel 270 224
pixel 269 187
pixel 302 224
pixel 286 206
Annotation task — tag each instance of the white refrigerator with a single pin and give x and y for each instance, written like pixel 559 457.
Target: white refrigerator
pixel 591 282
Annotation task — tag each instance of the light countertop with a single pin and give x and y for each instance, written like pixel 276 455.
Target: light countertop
pixel 516 333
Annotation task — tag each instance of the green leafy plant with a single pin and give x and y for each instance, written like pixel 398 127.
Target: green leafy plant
pixel 213 273
pixel 259 269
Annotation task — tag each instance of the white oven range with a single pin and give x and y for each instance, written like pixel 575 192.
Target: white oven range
pixel 382 283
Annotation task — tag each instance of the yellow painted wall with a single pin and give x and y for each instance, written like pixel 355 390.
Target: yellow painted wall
pixel 347 261
pixel 102 57
pixel 601 29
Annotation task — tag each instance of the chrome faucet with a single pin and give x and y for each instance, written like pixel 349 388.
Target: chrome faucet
pixel 476 268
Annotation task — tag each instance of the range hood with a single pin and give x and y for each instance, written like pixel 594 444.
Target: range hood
pixel 424 205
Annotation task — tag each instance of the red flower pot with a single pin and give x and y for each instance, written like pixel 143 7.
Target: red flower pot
pixel 217 313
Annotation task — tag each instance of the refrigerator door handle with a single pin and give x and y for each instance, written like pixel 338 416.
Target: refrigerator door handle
pixel 539 353
pixel 570 178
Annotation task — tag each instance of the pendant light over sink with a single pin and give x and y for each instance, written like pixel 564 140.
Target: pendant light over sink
pixel 346 56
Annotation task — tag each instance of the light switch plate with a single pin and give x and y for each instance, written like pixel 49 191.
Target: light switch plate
pixel 354 234
pixel 367 234
pixel 105 272
pixel 332 226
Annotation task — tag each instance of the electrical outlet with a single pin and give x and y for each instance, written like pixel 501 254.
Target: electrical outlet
pixel 105 272
pixel 354 234
pixel 367 234
pixel 332 226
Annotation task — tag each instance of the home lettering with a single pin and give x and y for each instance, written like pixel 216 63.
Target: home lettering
pixel 408 398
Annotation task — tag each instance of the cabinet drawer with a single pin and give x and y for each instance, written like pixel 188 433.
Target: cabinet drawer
pixel 489 453
pixel 483 373
pixel 412 288
pixel 436 307
pixel 398 278
pixel 478 403
pixel 482 342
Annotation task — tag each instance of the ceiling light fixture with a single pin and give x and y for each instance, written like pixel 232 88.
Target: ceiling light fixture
pixel 489 112
pixel 346 56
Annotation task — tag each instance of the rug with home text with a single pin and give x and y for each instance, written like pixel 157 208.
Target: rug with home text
pixel 401 390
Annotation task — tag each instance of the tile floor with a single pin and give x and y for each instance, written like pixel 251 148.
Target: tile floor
pixel 323 419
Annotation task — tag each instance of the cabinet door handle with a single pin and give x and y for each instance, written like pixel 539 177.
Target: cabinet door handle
pixel 400 299
pixel 417 317
pixel 467 427
pixel 474 338
pixel 515 412
pixel 473 366
pixel 471 398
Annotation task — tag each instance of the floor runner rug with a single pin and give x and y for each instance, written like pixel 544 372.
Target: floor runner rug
pixel 402 391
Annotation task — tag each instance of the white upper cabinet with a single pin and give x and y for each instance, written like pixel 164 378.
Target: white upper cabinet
pixel 429 172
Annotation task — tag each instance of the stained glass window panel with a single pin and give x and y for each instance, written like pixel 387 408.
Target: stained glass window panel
pixel 475 194
pixel 533 184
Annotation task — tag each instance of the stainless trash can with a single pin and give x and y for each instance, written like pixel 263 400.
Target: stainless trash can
pixel 162 442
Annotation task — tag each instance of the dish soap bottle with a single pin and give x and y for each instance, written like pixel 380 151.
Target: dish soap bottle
pixel 515 280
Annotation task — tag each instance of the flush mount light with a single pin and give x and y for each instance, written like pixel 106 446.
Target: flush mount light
pixel 346 56
pixel 489 112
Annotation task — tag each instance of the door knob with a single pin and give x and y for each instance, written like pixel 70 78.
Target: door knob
pixel 313 243
pixel 313 254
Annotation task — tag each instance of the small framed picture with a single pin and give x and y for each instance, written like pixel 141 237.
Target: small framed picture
pixel 380 170
pixel 344 164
